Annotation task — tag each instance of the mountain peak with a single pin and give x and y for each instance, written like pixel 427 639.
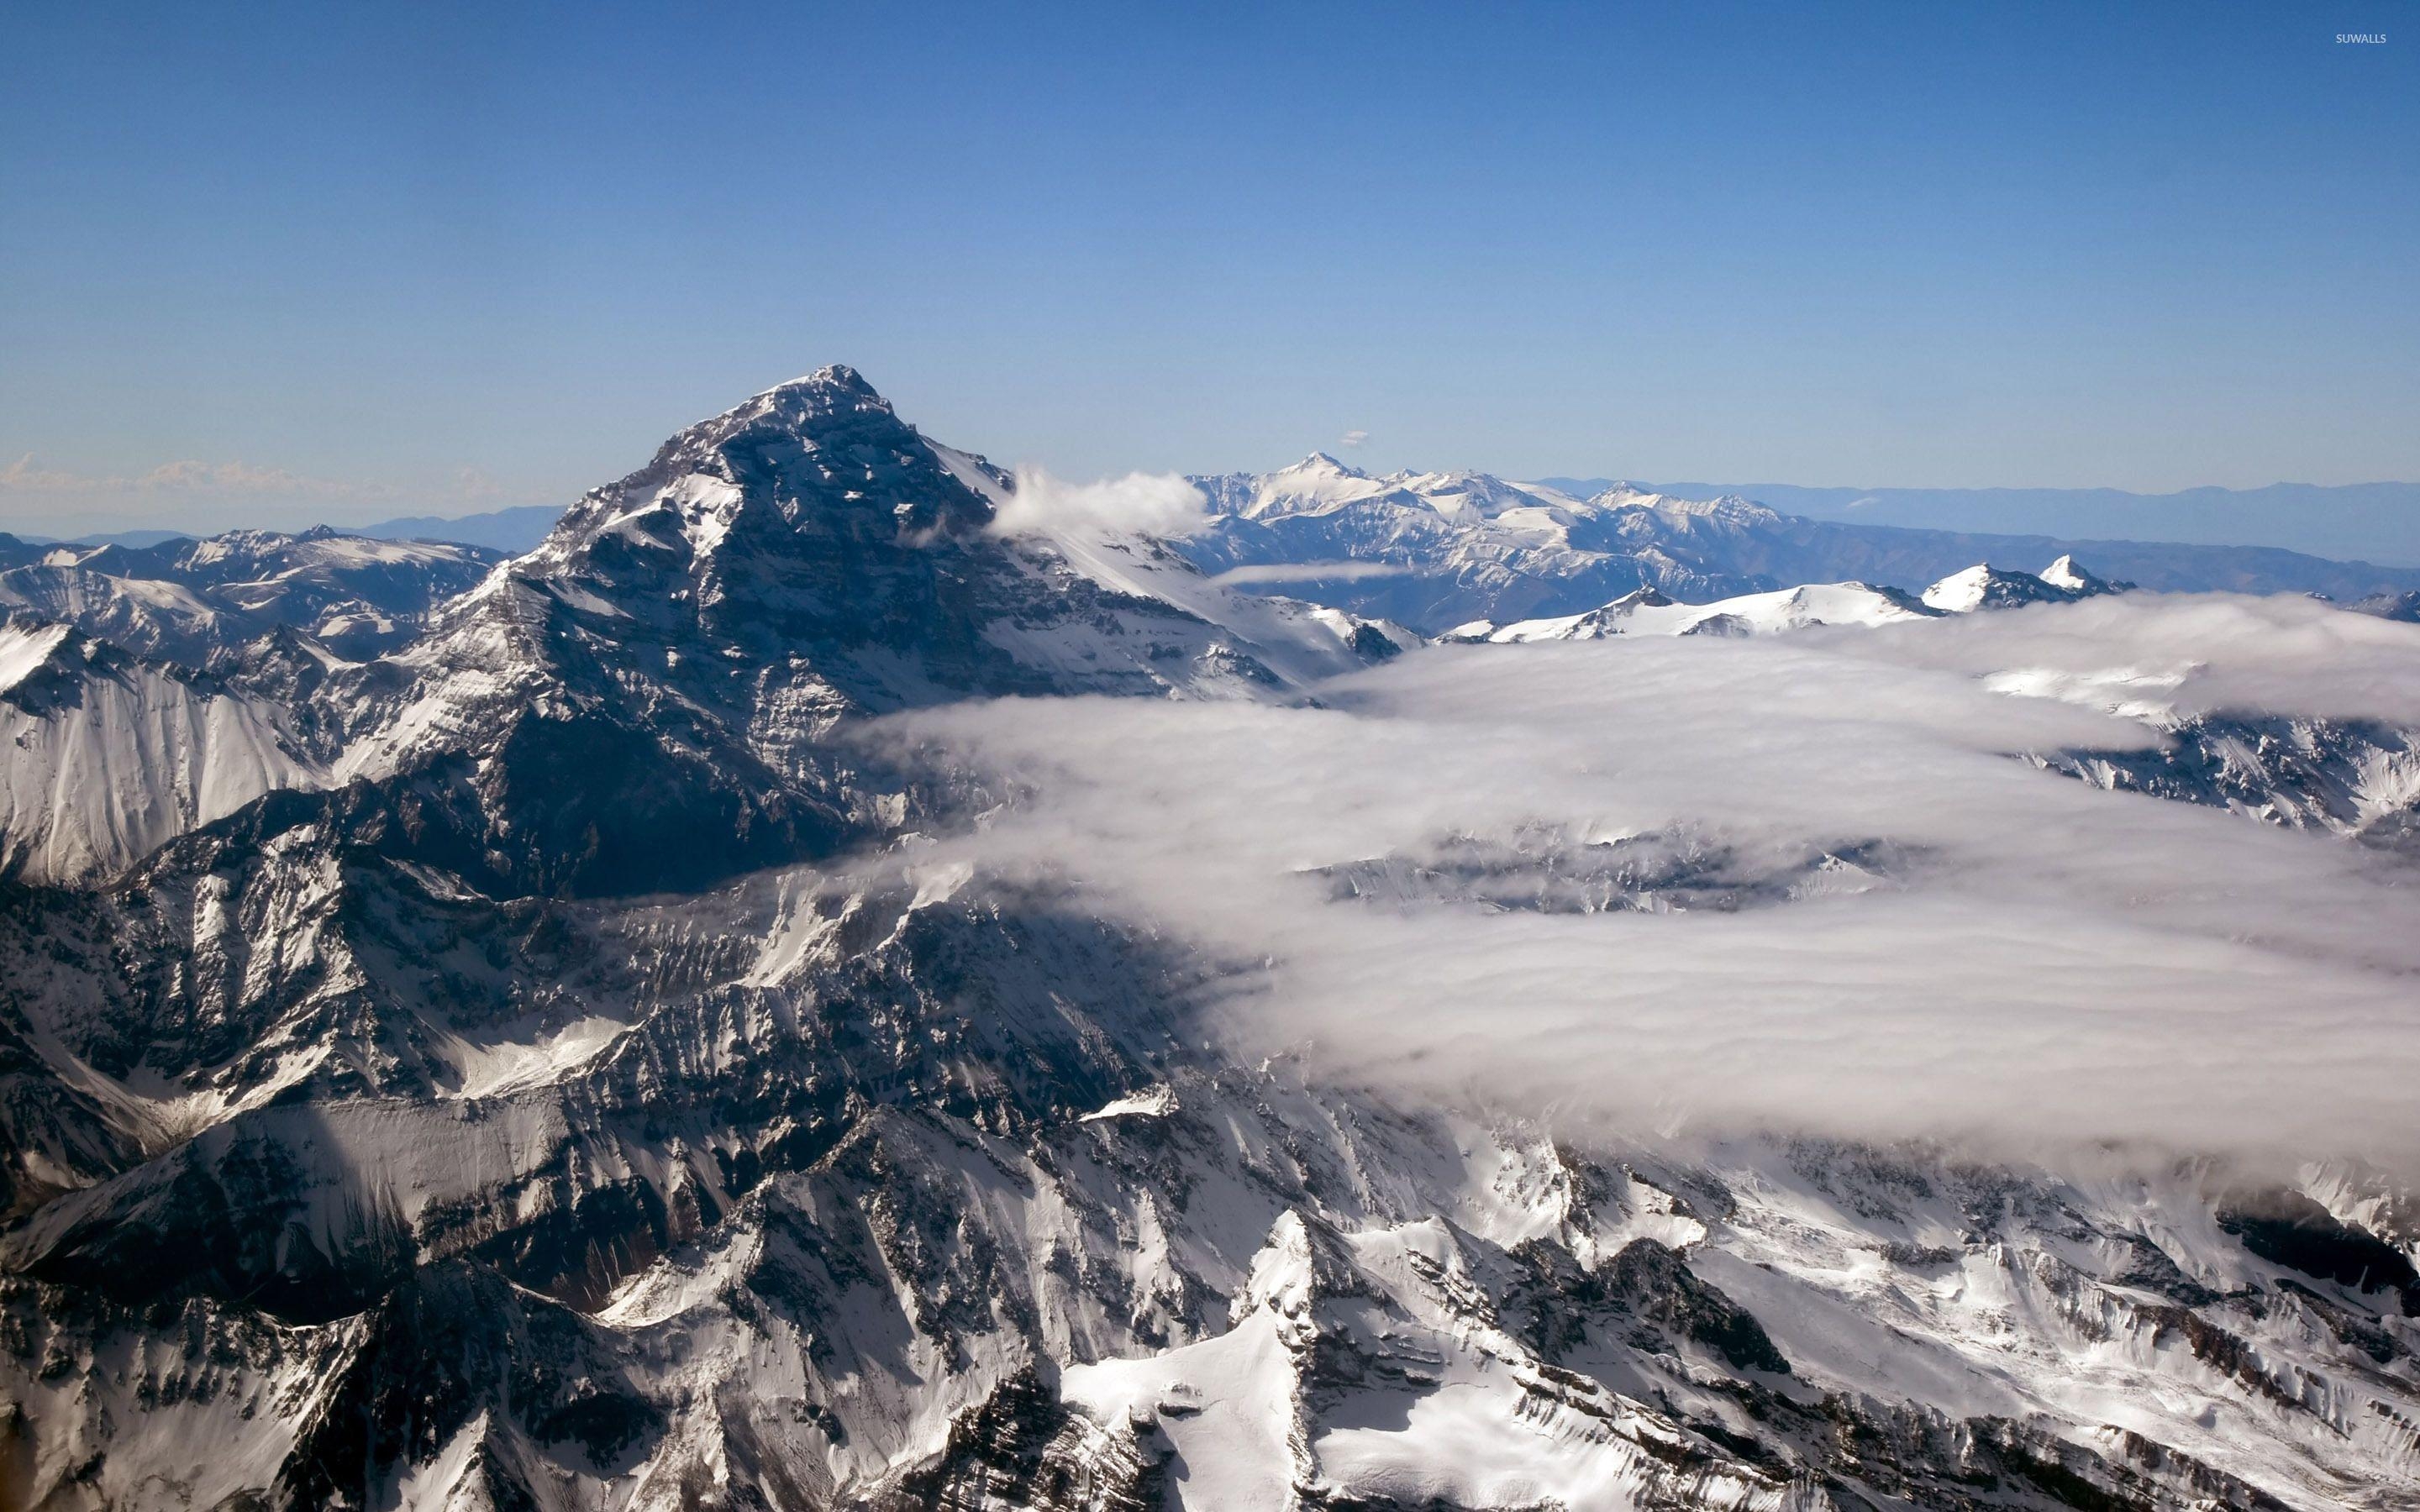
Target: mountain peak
pixel 829 390
pixel 2065 573
pixel 1323 462
pixel 1623 496
pixel 1984 586
pixel 798 408
pixel 838 376
pixel 814 426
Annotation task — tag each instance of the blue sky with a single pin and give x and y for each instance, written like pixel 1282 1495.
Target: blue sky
pixel 356 261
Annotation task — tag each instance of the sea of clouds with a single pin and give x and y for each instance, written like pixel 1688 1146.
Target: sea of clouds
pixel 2050 967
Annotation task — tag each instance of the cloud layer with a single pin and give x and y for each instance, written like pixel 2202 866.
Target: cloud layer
pixel 2048 966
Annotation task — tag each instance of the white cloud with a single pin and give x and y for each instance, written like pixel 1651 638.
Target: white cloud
pixel 473 485
pixel 26 475
pixel 2053 967
pixel 1308 572
pixel 2217 651
pixel 1353 437
pixel 1138 503
pixel 241 477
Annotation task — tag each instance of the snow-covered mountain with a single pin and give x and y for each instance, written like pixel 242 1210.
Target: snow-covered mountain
pixel 574 1078
pixel 2370 520
pixel 1646 611
pixel 1984 586
pixel 1433 551
pixel 510 531
pixel 2067 575
pixel 675 656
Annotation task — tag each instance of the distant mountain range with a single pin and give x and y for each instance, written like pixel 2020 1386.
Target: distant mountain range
pixel 1433 570
pixel 1645 612
pixel 1436 549
pixel 510 530
pixel 2346 542
pixel 2372 521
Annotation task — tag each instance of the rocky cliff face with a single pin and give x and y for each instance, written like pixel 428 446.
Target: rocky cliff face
pixel 591 1095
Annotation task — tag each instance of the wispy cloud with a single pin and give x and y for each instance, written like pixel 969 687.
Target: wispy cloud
pixel 26 475
pixel 472 486
pixel 235 477
pixel 1353 437
pixel 2052 967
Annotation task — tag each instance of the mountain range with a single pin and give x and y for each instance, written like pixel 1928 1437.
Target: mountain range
pixel 1434 549
pixel 2375 520
pixel 486 1032
pixel 2183 542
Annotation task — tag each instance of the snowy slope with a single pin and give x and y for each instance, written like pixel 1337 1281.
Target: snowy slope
pixel 1983 586
pixel 1647 612
pixel 109 757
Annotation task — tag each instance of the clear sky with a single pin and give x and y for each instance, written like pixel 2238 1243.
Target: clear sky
pixel 350 261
